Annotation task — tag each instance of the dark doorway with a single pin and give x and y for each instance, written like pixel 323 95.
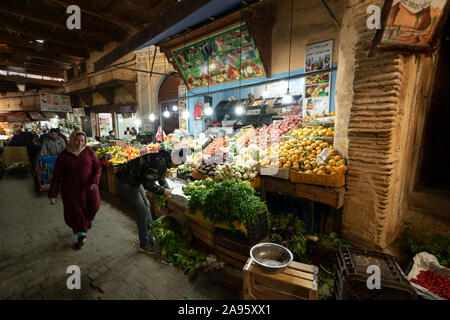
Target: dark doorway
pixel 436 150
pixel 169 91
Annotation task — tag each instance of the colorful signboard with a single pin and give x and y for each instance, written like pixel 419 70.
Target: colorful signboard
pixel 225 57
pixel 413 22
pixel 319 56
pixel 55 103
pixel 317 87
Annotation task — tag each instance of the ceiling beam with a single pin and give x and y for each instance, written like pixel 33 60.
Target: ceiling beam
pixel 48 46
pixel 41 17
pixel 43 63
pixel 91 10
pixel 62 37
pixel 160 24
pixel 36 54
pixel 33 69
pixel 46 83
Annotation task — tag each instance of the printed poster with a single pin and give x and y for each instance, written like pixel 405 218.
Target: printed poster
pixel 216 60
pixel 413 22
pixel 317 87
pixel 318 56
pixel 55 102
pixel 183 123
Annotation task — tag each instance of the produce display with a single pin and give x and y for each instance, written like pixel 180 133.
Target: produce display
pixel 184 172
pixel 198 184
pixel 312 133
pixel 217 145
pixel 268 135
pixel 113 155
pixel 207 169
pixel 174 242
pixel 226 202
pixel 132 152
pixel 152 147
pixel 243 167
pixel 433 281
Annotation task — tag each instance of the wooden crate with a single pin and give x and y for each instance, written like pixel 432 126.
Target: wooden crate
pixel 280 173
pixel 333 197
pixel 200 219
pixel 297 282
pixel 232 252
pixel 111 179
pixel 203 233
pixel 318 179
pixel 15 154
pixel 103 184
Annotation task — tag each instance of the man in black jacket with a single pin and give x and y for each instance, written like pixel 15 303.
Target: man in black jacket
pixel 145 172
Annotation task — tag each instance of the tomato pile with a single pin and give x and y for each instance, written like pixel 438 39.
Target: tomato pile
pixel 434 282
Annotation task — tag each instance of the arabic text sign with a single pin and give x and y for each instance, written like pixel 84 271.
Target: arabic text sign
pixel 318 56
pixel 55 103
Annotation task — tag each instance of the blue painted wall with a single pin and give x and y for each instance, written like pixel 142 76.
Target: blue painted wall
pixel 296 86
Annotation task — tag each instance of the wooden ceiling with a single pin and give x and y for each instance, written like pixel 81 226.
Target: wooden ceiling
pixel 23 22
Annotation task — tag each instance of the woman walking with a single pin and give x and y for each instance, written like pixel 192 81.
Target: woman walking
pixel 77 171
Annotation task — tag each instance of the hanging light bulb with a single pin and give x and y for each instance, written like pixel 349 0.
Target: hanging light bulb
pixel 166 114
pixel 287 98
pixel 239 110
pixel 185 114
pixel 265 93
pixel 175 107
pixel 208 110
pixel 152 117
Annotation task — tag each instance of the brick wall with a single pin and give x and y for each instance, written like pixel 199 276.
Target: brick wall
pixel 377 136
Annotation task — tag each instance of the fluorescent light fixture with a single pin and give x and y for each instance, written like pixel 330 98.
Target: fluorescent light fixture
pixel 287 98
pixel 152 117
pixel 239 110
pixel 21 87
pixel 185 114
pixel 166 114
pixel 40 41
pixel 175 107
pixel 265 93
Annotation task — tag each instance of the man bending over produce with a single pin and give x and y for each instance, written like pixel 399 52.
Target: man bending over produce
pixel 145 172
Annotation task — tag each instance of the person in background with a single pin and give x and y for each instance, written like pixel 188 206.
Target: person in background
pixel 53 145
pixel 133 131
pixel 111 136
pixel 145 172
pixel 77 173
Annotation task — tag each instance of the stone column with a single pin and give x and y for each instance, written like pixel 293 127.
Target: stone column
pixel 383 95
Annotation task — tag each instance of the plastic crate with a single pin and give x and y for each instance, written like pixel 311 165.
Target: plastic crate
pixel 255 232
pixel 351 277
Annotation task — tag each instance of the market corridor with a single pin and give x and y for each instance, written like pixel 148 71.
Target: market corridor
pixel 36 247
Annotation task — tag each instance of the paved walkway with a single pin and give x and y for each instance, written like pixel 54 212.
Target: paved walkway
pixel 36 247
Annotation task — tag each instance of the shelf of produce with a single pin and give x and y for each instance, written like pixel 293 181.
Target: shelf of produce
pixel 297 282
pixel 274 172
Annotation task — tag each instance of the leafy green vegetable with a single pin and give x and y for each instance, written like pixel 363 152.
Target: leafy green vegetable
pixel 174 241
pixel 415 239
pixel 160 201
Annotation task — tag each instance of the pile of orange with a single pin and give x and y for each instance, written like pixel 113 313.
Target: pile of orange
pixel 132 152
pixel 302 155
pixel 312 133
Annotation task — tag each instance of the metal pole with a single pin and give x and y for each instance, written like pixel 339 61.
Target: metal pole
pixel 329 11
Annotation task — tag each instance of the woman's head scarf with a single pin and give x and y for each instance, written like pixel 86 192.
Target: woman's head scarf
pixel 71 146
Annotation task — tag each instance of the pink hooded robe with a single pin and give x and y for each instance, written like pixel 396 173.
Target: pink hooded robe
pixel 73 175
